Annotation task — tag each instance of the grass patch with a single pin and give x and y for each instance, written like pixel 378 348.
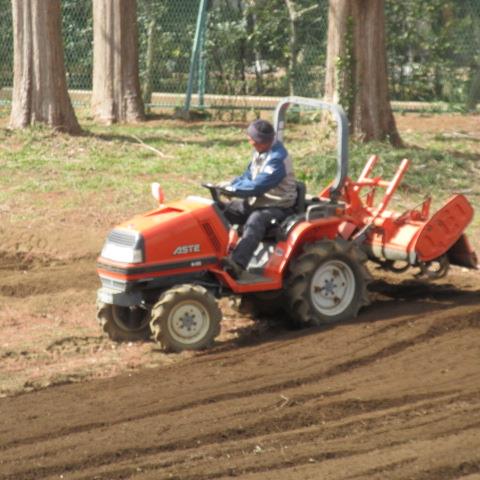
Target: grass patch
pixel 112 162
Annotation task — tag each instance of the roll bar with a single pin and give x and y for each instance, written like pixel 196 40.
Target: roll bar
pixel 342 133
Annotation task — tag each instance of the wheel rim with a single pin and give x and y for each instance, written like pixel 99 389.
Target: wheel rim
pixel 332 288
pixel 188 322
pixel 130 319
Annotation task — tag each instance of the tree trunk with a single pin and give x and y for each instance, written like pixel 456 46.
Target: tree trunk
pixel 39 84
pixel 251 30
pixel 116 93
pixel 473 97
pixel 338 72
pixel 364 62
pixel 243 53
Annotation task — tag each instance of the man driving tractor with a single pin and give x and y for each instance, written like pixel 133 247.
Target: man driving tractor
pixel 165 285
pixel 267 192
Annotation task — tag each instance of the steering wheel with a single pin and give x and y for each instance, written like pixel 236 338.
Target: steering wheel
pixel 216 191
pixel 213 189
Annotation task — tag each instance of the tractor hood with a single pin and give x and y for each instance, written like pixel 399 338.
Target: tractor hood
pixel 185 233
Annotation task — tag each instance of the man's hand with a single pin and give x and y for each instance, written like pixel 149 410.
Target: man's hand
pixel 228 190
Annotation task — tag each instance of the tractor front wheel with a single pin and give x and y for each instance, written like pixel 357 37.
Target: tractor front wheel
pixel 185 317
pixel 327 283
pixel 124 324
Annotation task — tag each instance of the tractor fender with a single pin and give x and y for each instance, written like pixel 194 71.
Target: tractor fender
pixel 305 233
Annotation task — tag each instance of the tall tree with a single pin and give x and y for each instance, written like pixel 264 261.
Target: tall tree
pixel 39 84
pixel 116 95
pixel 357 68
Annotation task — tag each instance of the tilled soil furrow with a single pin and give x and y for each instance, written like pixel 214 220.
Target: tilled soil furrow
pixel 299 402
pixel 270 465
pixel 272 426
pixel 384 469
pixel 438 329
pixel 237 394
pixel 246 458
pixel 216 441
pixel 452 472
pixel 471 320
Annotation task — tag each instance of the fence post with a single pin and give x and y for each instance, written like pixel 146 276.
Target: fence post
pixel 202 71
pixel 198 43
pixel 147 86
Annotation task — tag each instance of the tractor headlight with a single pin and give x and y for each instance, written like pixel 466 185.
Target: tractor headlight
pixel 124 246
pixel 121 254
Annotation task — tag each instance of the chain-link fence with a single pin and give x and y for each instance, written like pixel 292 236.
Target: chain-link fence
pixel 270 48
pixel 6 50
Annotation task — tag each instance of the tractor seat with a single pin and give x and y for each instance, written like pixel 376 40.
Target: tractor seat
pixel 300 203
pixel 298 208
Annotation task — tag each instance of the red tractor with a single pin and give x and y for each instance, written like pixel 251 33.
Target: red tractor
pixel 161 272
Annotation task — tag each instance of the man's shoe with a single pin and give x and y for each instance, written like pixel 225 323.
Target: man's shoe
pixel 234 269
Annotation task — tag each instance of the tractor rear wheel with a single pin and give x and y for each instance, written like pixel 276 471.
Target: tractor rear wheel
pixel 185 317
pixel 124 324
pixel 327 283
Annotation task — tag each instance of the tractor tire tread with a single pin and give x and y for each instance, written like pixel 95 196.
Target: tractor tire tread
pixel 167 300
pixel 302 268
pixel 112 331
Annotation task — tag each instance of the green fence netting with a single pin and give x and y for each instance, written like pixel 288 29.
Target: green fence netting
pixel 271 48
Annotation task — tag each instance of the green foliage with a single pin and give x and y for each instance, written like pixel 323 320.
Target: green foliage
pixel 249 50
pixel 111 161
pixel 433 47
pixel 173 36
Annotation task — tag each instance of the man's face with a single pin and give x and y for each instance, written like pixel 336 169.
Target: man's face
pixel 259 147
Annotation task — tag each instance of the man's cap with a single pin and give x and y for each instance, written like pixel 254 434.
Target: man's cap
pixel 261 131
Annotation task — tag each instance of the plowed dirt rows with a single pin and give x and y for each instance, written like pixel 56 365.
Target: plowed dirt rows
pixel 394 394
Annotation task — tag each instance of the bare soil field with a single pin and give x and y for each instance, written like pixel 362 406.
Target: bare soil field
pixel 393 394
